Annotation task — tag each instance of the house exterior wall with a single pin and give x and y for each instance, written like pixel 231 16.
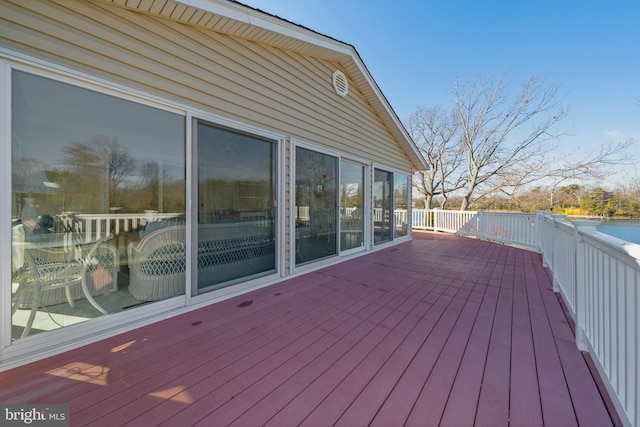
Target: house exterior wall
pixel 210 71
pixel 211 74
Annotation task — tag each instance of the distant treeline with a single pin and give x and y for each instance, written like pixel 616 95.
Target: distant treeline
pixel 570 200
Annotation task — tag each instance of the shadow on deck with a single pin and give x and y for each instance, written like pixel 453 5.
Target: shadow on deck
pixel 441 330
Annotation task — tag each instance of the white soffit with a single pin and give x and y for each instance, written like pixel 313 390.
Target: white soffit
pixel 237 19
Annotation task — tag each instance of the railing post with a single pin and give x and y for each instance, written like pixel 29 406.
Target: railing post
pixel 555 251
pixel 482 224
pixel 539 230
pixel 582 227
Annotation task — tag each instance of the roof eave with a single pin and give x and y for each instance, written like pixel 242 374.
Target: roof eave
pixel 237 19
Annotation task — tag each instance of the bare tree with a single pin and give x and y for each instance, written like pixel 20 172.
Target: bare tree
pixel 101 162
pixel 435 131
pixel 595 165
pixel 512 182
pixel 498 133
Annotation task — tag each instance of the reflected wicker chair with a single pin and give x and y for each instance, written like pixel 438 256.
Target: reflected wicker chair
pixel 226 252
pixel 157 264
pixel 50 270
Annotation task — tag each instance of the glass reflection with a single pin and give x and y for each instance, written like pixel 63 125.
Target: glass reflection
pixel 89 172
pixel 316 205
pixel 401 198
pixel 351 205
pixel 236 206
pixel 382 202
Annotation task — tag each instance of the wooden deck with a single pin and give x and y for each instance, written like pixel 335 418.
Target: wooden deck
pixel 442 330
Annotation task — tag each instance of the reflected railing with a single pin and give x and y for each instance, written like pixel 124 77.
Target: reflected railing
pixel 124 227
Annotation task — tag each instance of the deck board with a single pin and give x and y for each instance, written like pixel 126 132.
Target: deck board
pixel 524 381
pixel 462 403
pixel 441 330
pixel 433 397
pixel 345 378
pixel 493 403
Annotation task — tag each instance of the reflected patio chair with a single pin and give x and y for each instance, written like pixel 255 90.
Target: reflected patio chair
pixel 50 267
pixel 302 234
pixel 324 223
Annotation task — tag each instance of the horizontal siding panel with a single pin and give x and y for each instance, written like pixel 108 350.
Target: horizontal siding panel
pixel 346 116
pixel 137 64
pixel 321 76
pixel 294 95
pixel 353 114
pixel 271 87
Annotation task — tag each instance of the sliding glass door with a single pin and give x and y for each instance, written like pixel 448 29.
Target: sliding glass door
pixel 316 189
pixel 351 205
pixel 400 205
pixel 382 203
pixel 98 183
pixel 236 206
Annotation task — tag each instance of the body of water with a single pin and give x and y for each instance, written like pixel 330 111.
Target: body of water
pixel 622 229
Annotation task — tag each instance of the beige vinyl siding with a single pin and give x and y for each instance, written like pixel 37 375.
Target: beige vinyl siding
pixel 250 82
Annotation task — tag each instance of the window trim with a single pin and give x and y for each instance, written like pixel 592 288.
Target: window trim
pixel 76 332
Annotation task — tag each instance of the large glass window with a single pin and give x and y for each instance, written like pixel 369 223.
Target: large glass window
pixel 94 180
pixel 400 205
pixel 236 206
pixel 382 203
pixel 351 205
pixel 316 205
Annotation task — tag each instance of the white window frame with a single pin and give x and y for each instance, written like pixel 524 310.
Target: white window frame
pixel 366 207
pixel 394 240
pixel 368 204
pixel 192 238
pixel 72 335
pixel 5 212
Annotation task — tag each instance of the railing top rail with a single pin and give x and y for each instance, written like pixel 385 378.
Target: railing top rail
pixel 510 213
pixel 614 246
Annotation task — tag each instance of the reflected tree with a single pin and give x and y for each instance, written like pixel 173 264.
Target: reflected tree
pixel 97 169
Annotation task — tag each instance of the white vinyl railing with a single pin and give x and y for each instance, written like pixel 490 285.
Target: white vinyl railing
pixel 511 228
pixel 597 275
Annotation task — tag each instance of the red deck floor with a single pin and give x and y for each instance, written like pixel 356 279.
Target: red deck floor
pixel 442 330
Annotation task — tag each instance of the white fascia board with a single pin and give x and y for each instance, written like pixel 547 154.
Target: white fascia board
pixel 247 15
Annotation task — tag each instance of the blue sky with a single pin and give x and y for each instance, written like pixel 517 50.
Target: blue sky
pixel 415 50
